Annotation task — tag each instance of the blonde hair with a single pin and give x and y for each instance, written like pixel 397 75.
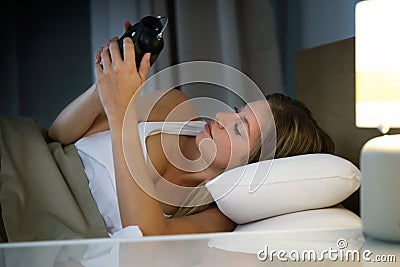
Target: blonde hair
pixel 199 194
pixel 297 133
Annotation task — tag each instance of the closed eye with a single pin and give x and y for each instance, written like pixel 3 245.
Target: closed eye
pixel 244 118
pixel 236 129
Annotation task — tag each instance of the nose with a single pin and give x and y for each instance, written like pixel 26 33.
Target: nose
pixel 222 117
pixel 219 119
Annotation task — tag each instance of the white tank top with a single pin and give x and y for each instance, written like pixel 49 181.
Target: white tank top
pixel 96 155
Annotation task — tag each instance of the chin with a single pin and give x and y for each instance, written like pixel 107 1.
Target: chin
pixel 200 136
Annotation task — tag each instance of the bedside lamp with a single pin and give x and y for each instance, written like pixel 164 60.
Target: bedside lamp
pixel 377 44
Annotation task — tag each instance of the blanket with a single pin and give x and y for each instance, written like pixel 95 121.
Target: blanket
pixel 44 192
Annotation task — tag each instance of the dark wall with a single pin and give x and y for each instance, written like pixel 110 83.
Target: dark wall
pixel 46 57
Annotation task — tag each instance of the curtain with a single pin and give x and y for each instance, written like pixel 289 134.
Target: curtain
pixel 239 34
pixel 46 56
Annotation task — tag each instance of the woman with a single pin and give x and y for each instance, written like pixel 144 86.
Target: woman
pixel 231 140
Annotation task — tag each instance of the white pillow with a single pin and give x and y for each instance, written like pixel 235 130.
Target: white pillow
pixel 303 230
pixel 332 218
pixel 284 185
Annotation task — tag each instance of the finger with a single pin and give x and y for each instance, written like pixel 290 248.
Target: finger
pixel 127 25
pixel 98 69
pixel 114 39
pixel 97 58
pixel 106 59
pixel 144 66
pixel 129 50
pixel 115 53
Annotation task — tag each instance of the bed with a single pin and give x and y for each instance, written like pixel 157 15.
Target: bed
pixel 325 82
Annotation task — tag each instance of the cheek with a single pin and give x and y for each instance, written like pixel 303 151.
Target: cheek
pixel 231 151
pixel 239 149
pixel 223 144
pixel 207 147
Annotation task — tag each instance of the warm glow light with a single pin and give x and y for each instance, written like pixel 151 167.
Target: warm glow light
pixel 378 63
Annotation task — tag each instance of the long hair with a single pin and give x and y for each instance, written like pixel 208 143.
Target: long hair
pixel 297 133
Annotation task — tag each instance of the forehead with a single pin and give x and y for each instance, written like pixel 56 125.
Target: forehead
pixel 258 109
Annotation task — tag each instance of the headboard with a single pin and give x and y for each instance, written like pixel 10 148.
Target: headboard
pixel 325 82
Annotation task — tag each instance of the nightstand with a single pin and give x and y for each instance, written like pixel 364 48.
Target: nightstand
pixel 330 247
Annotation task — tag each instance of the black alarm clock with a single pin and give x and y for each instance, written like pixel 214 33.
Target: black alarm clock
pixel 147 36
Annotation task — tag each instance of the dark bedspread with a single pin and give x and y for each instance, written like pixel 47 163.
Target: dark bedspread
pixel 44 193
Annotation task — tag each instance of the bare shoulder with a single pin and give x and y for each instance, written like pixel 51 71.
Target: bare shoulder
pixel 207 221
pixel 162 105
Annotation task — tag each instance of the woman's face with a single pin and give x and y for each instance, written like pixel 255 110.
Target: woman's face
pixel 226 142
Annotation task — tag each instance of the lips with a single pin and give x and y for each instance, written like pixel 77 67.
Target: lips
pixel 208 129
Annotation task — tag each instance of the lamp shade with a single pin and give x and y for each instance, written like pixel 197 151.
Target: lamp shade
pixel 377 42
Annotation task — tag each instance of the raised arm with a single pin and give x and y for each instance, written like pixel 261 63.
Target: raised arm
pixel 84 115
pixel 117 82
pixel 78 117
